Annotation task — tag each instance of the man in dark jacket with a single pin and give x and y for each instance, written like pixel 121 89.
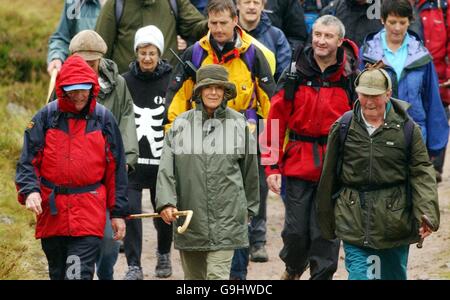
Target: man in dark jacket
pixel 356 16
pixel 256 22
pixel 72 167
pixel 288 16
pixel 322 87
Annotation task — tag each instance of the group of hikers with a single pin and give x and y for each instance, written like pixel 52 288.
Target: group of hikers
pixel 343 115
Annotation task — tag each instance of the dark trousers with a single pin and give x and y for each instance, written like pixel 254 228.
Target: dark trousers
pixel 257 228
pixel 438 161
pixel 71 258
pixel 256 231
pixel 133 238
pixel 303 244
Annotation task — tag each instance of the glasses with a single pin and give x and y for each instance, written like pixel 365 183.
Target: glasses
pixel 150 54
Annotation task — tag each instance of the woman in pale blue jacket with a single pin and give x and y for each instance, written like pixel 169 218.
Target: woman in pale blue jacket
pixel 411 68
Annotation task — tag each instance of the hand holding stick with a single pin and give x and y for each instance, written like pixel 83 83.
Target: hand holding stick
pixel 180 229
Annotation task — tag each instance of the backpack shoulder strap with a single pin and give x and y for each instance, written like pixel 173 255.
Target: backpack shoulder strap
pixel 118 11
pixel 100 112
pixel 197 54
pixel 344 124
pixel 51 118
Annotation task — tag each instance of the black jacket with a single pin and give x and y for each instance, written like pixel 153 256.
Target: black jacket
pixel 288 15
pixel 354 17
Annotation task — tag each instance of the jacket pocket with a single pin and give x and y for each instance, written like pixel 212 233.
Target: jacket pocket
pixel 348 215
pixel 398 216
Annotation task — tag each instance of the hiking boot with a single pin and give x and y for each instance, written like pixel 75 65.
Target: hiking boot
pixel 163 267
pixel 258 254
pixel 288 276
pixel 134 273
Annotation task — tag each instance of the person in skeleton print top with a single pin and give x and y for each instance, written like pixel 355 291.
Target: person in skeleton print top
pixel 147 81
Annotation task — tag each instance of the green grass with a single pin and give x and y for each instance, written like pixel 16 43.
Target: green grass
pixel 24 30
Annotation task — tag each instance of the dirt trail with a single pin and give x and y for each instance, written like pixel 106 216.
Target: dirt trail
pixel 430 262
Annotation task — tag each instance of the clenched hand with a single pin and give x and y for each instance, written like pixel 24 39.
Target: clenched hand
pixel 33 203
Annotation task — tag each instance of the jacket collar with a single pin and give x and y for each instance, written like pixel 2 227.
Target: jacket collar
pixel 418 55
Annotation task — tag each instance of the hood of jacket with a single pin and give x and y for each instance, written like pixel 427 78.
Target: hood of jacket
pixel 75 70
pixel 161 69
pixel 418 55
pixel 109 72
pixel 347 62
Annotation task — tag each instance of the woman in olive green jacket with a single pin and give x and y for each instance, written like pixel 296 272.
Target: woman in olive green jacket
pixel 363 197
pixel 209 165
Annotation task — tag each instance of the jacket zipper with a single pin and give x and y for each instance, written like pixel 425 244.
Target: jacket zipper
pixel 368 201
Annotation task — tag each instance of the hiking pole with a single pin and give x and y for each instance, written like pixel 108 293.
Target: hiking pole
pixel 181 229
pixel 427 222
pixel 51 86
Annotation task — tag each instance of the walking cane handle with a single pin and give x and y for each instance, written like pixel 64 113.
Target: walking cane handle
pixel 181 229
pixel 188 214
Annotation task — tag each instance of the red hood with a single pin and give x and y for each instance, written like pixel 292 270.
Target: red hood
pixel 74 71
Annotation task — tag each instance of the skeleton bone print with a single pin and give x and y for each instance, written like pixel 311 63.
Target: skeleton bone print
pixel 147 119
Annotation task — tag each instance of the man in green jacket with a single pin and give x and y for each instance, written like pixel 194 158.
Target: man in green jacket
pixel 375 188
pixel 209 165
pixel 114 95
pixel 119 31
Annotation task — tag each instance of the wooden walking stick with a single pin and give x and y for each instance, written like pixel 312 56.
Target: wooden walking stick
pixel 51 86
pixel 181 229
pixel 427 222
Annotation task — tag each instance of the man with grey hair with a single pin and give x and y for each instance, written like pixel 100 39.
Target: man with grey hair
pixel 312 94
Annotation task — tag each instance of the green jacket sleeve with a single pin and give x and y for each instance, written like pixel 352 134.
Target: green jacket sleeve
pixel 423 181
pixel 250 174
pixel 328 185
pixel 58 43
pixel 166 192
pixel 106 26
pixel 127 124
pixel 191 23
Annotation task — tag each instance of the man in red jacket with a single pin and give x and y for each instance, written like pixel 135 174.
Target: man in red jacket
pixel 312 96
pixel 435 20
pixel 71 169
